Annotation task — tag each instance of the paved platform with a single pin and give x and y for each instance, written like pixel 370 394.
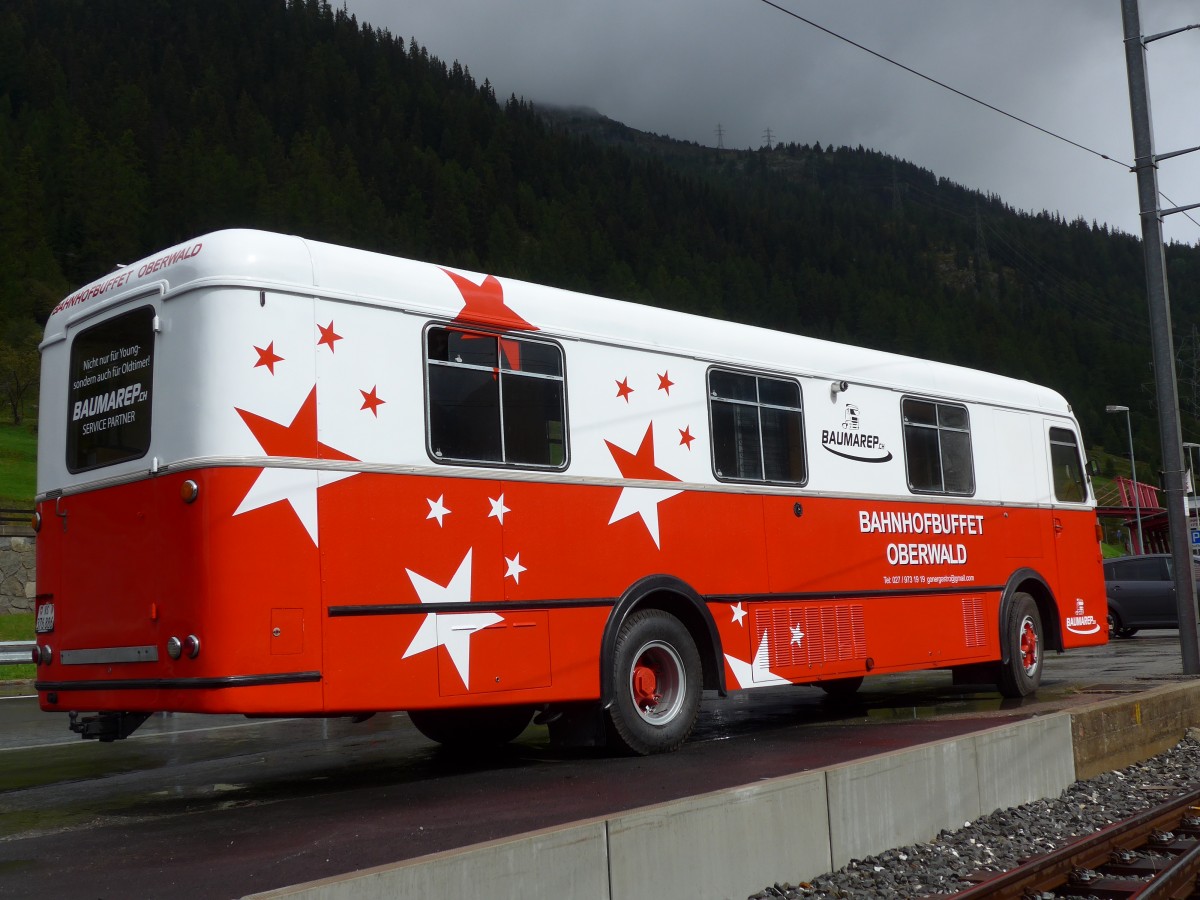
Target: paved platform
pixel 792 828
pixel 775 783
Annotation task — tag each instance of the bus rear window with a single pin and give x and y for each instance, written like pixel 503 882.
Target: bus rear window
pixel 108 408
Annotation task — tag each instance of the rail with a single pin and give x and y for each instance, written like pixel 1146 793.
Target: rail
pixel 15 520
pixel 16 652
pixel 1155 854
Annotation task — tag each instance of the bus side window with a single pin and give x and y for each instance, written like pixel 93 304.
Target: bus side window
pixel 494 399
pixel 937 447
pixel 1067 465
pixel 757 428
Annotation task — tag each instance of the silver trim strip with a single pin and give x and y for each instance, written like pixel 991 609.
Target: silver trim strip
pixel 503 474
pixel 101 655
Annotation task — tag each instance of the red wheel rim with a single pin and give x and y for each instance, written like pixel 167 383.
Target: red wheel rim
pixel 657 683
pixel 645 687
pixel 1030 650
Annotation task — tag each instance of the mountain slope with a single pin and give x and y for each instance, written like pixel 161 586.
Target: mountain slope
pixel 126 129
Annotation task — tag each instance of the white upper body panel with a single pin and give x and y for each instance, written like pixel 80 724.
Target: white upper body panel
pixel 229 303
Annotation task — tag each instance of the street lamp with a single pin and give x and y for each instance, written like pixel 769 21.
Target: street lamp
pixel 1137 502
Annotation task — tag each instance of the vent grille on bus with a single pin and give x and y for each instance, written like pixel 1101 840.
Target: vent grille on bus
pixel 974 633
pixel 812 635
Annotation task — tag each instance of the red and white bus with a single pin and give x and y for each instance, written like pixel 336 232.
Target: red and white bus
pixel 280 477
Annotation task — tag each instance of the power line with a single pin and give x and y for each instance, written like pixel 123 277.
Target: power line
pixel 962 94
pixel 942 84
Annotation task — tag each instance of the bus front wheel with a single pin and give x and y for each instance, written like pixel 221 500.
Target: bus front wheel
pixel 656 678
pixel 1023 643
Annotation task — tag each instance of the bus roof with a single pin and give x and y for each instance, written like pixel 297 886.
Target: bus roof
pixel 288 264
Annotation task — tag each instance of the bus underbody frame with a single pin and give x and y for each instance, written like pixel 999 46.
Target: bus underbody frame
pixel 107 726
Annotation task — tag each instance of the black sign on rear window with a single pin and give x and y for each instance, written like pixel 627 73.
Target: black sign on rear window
pixel 108 409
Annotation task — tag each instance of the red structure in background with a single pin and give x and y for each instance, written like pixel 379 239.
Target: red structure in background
pixel 1124 506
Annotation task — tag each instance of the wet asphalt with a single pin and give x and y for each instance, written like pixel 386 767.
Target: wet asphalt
pixel 222 806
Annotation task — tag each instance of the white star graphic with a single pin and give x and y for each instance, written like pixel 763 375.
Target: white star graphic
pixel 738 613
pixel 758 673
pixel 297 487
pixel 639 465
pixel 498 508
pixel 514 568
pixel 437 509
pixel 639 501
pixel 797 636
pixel 450 630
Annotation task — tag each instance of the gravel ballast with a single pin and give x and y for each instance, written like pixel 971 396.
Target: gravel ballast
pixel 1007 837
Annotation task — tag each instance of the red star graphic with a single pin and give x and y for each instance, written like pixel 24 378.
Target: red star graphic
pixel 686 437
pixel 485 304
pixel 297 439
pixel 267 357
pixel 665 383
pixel 328 335
pixel 623 388
pixel 640 464
pixel 371 401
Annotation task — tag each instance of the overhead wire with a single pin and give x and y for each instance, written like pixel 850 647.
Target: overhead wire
pixel 960 93
pixel 1026 260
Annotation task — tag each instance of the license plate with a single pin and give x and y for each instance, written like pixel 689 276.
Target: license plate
pixel 45 618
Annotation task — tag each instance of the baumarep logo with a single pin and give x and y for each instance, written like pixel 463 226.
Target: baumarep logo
pixel 1081 623
pixel 849 441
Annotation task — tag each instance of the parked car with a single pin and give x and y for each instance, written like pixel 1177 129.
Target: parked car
pixel 1141 593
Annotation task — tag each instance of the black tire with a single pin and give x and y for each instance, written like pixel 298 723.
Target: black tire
pixel 483 726
pixel 840 688
pixel 1022 641
pixel 1116 629
pixel 656 676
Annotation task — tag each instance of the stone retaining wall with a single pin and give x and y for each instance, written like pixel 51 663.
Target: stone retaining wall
pixel 17 587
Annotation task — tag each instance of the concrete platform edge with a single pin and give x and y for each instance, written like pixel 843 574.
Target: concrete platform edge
pixel 793 828
pixel 1113 734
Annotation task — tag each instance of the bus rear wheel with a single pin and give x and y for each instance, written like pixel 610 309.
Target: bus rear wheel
pixel 484 726
pixel 656 677
pixel 1023 642
pixel 841 688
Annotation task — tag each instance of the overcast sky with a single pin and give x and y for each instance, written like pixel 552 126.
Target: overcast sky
pixel 683 67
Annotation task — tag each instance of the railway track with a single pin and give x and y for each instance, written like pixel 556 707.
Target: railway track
pixel 1152 856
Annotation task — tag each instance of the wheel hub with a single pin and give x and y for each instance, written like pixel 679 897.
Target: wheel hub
pixel 657 683
pixel 645 687
pixel 1030 652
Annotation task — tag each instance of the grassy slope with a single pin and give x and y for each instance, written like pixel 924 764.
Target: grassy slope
pixel 18 465
pixel 18 476
pixel 16 627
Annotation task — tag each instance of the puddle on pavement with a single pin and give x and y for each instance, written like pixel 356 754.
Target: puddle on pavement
pixel 65 763
pixel 86 808
pixel 16 867
pixel 958 707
